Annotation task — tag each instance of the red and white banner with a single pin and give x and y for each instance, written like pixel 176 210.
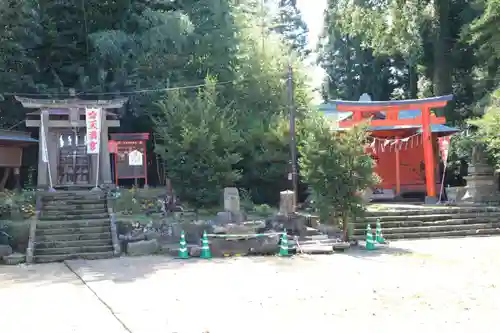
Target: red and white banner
pixel 93 121
pixel 444 147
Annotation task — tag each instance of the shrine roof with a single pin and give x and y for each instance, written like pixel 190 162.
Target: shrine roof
pixel 434 128
pixel 15 136
pixel 129 136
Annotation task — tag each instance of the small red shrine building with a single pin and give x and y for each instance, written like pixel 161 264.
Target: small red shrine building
pixel 404 141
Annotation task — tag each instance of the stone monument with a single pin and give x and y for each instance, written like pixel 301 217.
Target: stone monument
pixel 232 212
pixel 287 203
pixel 231 200
pixel 482 184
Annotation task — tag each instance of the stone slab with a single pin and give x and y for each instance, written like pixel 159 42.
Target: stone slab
pixel 14 259
pixel 143 248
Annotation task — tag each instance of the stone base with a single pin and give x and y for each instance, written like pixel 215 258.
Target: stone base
pixel 431 200
pixel 229 217
pixel 480 189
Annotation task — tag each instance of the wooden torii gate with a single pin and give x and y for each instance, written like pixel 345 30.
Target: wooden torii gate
pixel 361 110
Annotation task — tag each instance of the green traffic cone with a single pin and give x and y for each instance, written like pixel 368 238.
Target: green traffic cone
pixel 370 245
pixel 205 248
pixel 183 250
pixel 379 238
pixel 284 246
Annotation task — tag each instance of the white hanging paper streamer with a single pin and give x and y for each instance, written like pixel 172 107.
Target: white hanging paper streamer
pixel 405 141
pixel 380 145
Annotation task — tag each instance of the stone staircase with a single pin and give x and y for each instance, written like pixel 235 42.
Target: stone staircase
pixel 432 222
pixel 72 225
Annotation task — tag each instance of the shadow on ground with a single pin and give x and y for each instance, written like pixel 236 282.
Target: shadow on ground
pixel 380 250
pixel 38 274
pixel 129 269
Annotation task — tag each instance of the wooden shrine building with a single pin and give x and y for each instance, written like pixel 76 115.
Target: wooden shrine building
pixel 404 135
pixel 64 159
pixel 12 144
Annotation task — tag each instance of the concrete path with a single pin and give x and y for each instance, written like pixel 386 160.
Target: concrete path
pixel 49 298
pixel 445 285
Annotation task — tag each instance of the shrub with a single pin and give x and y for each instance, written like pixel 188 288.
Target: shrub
pixel 336 168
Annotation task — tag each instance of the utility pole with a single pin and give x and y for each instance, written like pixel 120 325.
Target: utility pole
pixel 293 146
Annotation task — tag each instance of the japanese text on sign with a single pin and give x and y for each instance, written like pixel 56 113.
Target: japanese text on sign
pixel 93 121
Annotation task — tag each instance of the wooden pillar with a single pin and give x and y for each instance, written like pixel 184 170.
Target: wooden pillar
pixel 17 179
pixel 398 170
pixel 430 179
pixel 105 166
pixel 53 152
pixel 357 116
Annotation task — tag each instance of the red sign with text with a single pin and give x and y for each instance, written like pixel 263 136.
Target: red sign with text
pixel 93 121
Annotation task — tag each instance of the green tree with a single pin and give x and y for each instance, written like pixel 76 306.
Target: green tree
pixel 19 68
pixel 488 127
pixel 352 64
pixel 197 140
pixel 336 168
pixel 289 23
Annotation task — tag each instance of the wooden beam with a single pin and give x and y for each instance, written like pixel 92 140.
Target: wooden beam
pixel 39 103
pixel 390 108
pixel 393 122
pixel 67 123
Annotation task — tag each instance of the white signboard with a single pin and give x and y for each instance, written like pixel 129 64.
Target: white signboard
pixel 93 121
pixel 45 153
pixel 135 158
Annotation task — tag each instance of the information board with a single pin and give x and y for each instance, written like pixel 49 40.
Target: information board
pixel 130 159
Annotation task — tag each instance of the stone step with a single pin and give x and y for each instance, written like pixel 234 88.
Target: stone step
pixel 430 217
pixel 73 237
pixel 44 225
pixel 73 250
pixel 416 223
pixel 66 207
pixel 73 216
pixel 438 234
pixel 420 229
pixel 73 243
pixel 71 256
pixel 430 211
pixel 75 230
pixel 72 194
pixel 73 201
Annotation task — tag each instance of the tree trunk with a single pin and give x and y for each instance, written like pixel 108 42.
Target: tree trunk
pixel 5 177
pixel 413 81
pixel 442 46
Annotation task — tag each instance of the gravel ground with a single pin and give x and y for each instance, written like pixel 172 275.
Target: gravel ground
pixel 441 285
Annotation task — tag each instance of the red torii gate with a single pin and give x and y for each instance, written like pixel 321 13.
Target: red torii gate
pixel 361 110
